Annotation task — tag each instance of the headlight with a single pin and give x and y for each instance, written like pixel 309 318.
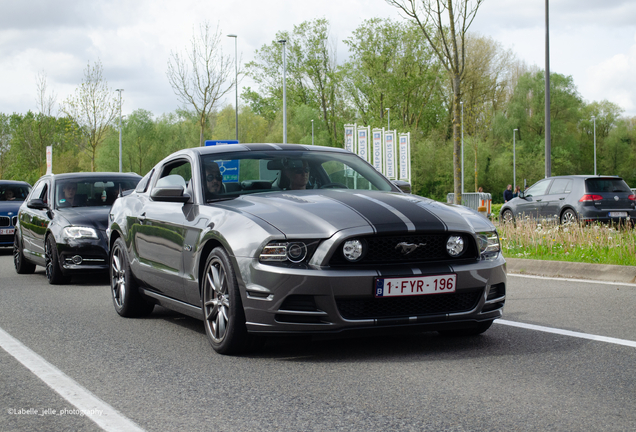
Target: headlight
pixel 282 251
pixel 76 232
pixel 353 250
pixel 488 244
pixel 455 245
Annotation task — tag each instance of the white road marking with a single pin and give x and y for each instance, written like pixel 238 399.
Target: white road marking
pixel 572 280
pixel 568 333
pixel 104 415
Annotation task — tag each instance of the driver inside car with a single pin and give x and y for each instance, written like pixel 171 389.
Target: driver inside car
pixel 295 174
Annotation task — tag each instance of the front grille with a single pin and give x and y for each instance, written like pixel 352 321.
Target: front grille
pixel 15 220
pixel 408 306
pixel 6 238
pixel 4 221
pixel 382 249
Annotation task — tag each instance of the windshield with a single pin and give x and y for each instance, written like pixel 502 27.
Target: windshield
pixel 14 192
pixel 234 174
pixel 79 192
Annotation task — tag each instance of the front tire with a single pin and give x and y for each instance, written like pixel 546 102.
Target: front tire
pixel 508 217
pixel 223 313
pixel 568 217
pixel 52 266
pixel 22 266
pixel 123 287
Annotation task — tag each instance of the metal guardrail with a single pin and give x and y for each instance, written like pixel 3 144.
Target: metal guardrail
pixel 474 200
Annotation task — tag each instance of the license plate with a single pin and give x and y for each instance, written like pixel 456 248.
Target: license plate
pixel 6 231
pixel 416 285
pixel 617 214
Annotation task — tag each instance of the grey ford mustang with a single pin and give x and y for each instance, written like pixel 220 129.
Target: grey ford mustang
pixel 256 239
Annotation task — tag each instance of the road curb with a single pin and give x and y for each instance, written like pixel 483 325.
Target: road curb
pixel 573 270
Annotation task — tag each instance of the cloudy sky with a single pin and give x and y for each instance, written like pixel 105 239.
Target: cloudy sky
pixel 593 41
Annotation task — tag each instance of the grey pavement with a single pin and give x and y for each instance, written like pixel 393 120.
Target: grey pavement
pixel 573 270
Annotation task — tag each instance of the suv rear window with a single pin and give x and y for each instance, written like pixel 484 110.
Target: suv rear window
pixel 606 185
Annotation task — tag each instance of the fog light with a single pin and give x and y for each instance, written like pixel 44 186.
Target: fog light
pixel 455 246
pixel 352 250
pixel 77 259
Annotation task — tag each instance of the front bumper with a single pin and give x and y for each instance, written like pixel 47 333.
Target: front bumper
pixel 85 255
pixel 312 300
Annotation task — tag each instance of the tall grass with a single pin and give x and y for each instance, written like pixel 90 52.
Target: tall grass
pixel 602 244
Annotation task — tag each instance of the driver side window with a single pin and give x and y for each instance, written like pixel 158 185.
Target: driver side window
pixel 539 188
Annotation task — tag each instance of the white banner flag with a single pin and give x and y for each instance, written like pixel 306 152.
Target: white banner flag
pixel 389 155
pixel 405 157
pixel 363 142
pixel 350 142
pixel 377 149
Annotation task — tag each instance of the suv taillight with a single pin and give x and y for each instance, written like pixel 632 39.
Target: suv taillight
pixel 590 197
pixel 632 197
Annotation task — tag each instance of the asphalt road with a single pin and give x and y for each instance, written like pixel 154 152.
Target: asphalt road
pixel 160 372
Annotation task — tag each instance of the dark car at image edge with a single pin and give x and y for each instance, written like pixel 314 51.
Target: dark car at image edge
pixel 12 194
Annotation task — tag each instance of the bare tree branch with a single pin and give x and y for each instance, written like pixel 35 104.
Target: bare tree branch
pixel 198 78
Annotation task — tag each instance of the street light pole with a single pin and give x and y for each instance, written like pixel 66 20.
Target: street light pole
pixel 388 125
pixel 283 41
pixel 312 132
pixel 514 160
pixel 594 118
pixel 462 104
pixel 236 77
pixel 119 90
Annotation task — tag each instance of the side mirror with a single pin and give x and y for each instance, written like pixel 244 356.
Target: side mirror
pixel 37 204
pixel 522 194
pixel 402 185
pixel 170 194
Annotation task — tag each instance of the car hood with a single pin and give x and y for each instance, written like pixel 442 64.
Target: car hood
pixel 95 217
pixel 313 214
pixel 12 207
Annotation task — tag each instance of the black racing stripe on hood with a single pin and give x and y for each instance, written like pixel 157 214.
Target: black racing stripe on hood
pixel 423 219
pixel 382 219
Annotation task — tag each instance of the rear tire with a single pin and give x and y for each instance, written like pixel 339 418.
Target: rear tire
pixel 123 286
pixel 478 329
pixel 22 266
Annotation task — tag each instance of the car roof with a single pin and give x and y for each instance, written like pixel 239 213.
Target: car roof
pixel 585 176
pixel 14 182
pixel 227 148
pixel 74 175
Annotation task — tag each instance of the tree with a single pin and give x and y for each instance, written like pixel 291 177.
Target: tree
pixel 198 78
pixel 312 77
pixel 449 23
pixel 392 67
pixel 93 107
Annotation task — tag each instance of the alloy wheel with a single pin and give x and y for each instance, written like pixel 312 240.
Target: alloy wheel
pixel 217 300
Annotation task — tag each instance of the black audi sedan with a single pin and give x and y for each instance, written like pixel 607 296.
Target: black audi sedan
pixel 258 239
pixel 62 223
pixel 12 194
pixel 575 198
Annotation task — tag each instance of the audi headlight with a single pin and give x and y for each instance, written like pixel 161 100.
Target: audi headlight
pixel 489 246
pixel 78 232
pixel 278 251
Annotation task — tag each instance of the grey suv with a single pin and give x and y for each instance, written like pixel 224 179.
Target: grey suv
pixel 582 198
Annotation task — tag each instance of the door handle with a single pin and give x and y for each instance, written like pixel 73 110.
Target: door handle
pixel 561 199
pixel 538 200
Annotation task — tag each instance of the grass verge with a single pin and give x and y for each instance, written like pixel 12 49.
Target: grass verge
pixel 599 244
